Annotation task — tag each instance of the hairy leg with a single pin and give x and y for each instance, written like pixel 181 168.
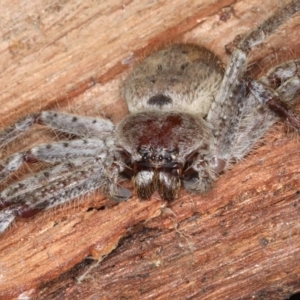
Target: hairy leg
pixel 57 152
pixel 63 122
pixel 59 185
pixel 255 116
pixel 224 104
pixel 73 185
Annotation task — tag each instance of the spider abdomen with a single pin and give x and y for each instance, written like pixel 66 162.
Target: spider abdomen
pixel 180 78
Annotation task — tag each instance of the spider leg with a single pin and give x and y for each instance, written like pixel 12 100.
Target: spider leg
pixel 255 116
pixel 58 185
pixel 56 152
pixel 74 184
pixel 63 122
pixel 285 78
pixel 44 177
pixel 83 165
pixel 269 97
pixel 232 116
pixel 250 119
pixel 278 89
pixel 12 132
pixel 235 70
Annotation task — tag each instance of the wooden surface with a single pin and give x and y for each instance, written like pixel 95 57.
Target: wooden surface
pixel 239 241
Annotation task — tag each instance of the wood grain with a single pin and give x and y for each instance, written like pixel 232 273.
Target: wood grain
pixel 239 241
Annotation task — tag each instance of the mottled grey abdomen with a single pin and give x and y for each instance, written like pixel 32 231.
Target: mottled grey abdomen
pixel 181 78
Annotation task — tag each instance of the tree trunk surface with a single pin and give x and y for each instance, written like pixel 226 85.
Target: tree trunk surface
pixel 241 240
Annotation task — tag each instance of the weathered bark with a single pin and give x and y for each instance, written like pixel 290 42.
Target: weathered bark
pixel 239 241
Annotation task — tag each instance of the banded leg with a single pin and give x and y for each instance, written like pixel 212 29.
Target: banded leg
pixel 232 80
pixel 57 152
pixel 73 124
pixel 70 182
pixel 38 180
pixel 285 78
pixel 256 117
pixel 57 192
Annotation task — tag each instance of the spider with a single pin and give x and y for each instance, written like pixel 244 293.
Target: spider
pixel 189 120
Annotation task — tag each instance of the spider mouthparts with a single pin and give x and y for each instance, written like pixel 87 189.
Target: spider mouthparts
pixel 164 179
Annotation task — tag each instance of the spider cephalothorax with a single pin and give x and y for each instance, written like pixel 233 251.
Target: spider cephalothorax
pixel 160 145
pixel 189 120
